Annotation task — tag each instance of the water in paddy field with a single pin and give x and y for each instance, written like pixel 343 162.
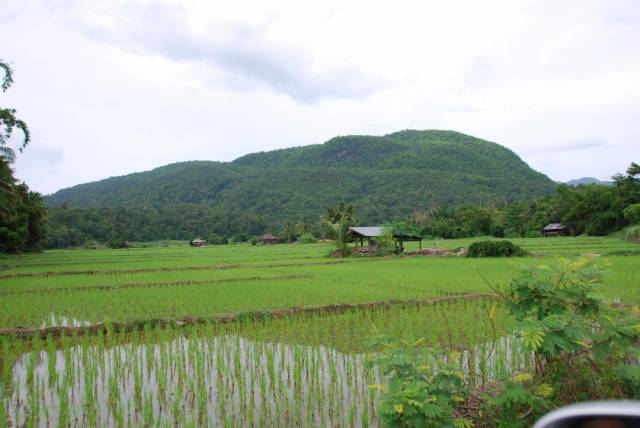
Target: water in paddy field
pixel 208 382
pixel 216 381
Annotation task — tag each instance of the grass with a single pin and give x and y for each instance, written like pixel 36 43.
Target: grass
pixel 179 282
pixel 311 367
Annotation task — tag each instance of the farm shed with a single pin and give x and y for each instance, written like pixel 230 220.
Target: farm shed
pixel 370 233
pixel 268 239
pixel 553 229
pixel 198 243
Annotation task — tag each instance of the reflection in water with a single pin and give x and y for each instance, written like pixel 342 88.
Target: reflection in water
pixel 213 381
pixel 203 382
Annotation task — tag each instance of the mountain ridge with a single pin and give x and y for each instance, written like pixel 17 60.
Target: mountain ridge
pixel 385 176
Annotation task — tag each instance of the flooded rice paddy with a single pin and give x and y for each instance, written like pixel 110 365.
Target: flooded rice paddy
pixel 212 381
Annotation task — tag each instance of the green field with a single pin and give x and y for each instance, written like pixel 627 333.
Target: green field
pixel 213 373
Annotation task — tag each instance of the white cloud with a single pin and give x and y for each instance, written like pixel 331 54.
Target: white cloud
pixel 118 86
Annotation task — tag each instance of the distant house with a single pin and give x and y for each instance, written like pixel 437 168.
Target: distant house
pixel 553 229
pixel 268 239
pixel 198 243
pixel 371 233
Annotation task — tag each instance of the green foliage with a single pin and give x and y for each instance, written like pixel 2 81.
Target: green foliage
pixel 583 348
pixel 386 244
pixel 577 338
pixel 632 213
pixel 72 226
pixel 22 215
pixel 517 402
pixel 383 176
pixel 628 376
pixel 632 233
pixel 495 249
pixel 560 311
pixel 418 393
pixel 288 233
pixel 118 243
pixel 8 120
pixel 22 212
pixel 215 239
pixel 307 238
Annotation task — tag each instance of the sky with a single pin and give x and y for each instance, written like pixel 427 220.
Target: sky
pixel 114 87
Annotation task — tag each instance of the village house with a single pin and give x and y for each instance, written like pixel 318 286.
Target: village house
pixel 198 243
pixel 371 233
pixel 553 229
pixel 268 239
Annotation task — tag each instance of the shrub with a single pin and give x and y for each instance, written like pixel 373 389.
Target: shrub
pixel 583 348
pixel 386 245
pixel 307 238
pixel 632 213
pixel 577 338
pixel 215 239
pixel 91 245
pixel 495 249
pixel 632 233
pixel 417 393
pixel 118 243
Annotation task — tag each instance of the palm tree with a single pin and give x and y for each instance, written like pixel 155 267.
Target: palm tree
pixel 288 232
pixel 337 220
pixel 9 122
pixel 305 226
pixel 8 119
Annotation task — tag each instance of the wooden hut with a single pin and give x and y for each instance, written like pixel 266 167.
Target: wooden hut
pixel 553 229
pixel 198 243
pixel 268 239
pixel 371 233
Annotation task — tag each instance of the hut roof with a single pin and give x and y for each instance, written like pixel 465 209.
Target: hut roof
pixel 552 227
pixel 367 231
pixel 376 231
pixel 268 237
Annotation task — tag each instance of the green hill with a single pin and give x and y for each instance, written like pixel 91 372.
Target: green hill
pixel 385 177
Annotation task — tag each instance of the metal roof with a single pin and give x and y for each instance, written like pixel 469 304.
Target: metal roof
pixel 375 231
pixel 367 231
pixel 554 226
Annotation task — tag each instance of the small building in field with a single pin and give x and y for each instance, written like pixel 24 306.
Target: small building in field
pixel 553 229
pixel 198 243
pixel 268 239
pixel 371 233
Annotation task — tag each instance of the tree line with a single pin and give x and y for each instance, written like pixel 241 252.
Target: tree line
pixel 27 224
pixel 592 209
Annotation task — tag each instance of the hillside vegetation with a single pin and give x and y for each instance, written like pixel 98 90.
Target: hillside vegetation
pixel 385 177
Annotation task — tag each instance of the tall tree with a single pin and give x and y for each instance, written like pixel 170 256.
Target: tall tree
pixel 8 120
pixel 22 212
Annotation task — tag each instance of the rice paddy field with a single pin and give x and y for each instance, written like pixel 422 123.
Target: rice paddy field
pixel 242 335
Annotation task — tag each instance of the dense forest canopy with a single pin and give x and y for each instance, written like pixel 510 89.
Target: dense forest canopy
pixel 586 209
pixel 385 177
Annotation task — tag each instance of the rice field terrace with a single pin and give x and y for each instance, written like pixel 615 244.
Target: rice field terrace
pixel 242 335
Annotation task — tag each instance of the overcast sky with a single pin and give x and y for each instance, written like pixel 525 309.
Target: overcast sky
pixel 110 88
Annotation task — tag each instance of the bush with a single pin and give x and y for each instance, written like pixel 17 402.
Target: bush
pixel 632 213
pixel 583 349
pixel 632 233
pixel 307 238
pixel 215 239
pixel 495 249
pixel 91 245
pixel 118 243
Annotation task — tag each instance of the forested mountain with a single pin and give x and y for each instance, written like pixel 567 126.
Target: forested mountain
pixel 383 176
pixel 588 180
pixel 386 178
